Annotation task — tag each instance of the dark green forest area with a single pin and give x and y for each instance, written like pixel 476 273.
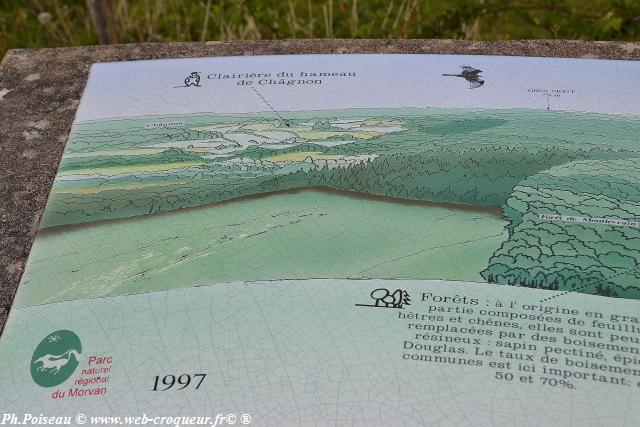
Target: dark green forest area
pixel 578 256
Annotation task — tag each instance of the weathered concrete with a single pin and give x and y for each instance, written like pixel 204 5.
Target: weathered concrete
pixel 40 91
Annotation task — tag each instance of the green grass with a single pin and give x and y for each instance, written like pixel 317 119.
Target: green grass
pixel 168 156
pixel 52 23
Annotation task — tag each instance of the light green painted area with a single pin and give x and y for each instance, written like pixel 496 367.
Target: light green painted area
pixel 306 234
pixel 582 164
pixel 273 345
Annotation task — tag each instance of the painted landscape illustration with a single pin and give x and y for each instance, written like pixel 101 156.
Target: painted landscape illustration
pixel 532 198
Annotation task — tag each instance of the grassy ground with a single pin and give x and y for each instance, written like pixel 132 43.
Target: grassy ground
pixel 305 234
pixel 49 23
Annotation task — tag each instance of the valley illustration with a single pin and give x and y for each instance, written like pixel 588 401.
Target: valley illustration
pixel 531 198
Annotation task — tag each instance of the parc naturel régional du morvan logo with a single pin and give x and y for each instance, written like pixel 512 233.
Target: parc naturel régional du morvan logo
pixel 56 358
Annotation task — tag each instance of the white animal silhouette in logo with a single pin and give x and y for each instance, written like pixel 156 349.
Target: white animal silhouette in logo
pixel 54 363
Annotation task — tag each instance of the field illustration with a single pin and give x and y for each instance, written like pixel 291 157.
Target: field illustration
pixel 543 199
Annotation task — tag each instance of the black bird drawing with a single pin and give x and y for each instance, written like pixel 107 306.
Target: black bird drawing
pixel 471 75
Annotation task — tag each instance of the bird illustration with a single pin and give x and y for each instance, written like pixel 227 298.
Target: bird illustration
pixel 192 80
pixel 470 74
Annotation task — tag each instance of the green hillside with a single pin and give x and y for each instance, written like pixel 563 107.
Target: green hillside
pixel 461 156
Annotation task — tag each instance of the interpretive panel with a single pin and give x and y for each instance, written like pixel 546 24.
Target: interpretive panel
pixel 339 239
